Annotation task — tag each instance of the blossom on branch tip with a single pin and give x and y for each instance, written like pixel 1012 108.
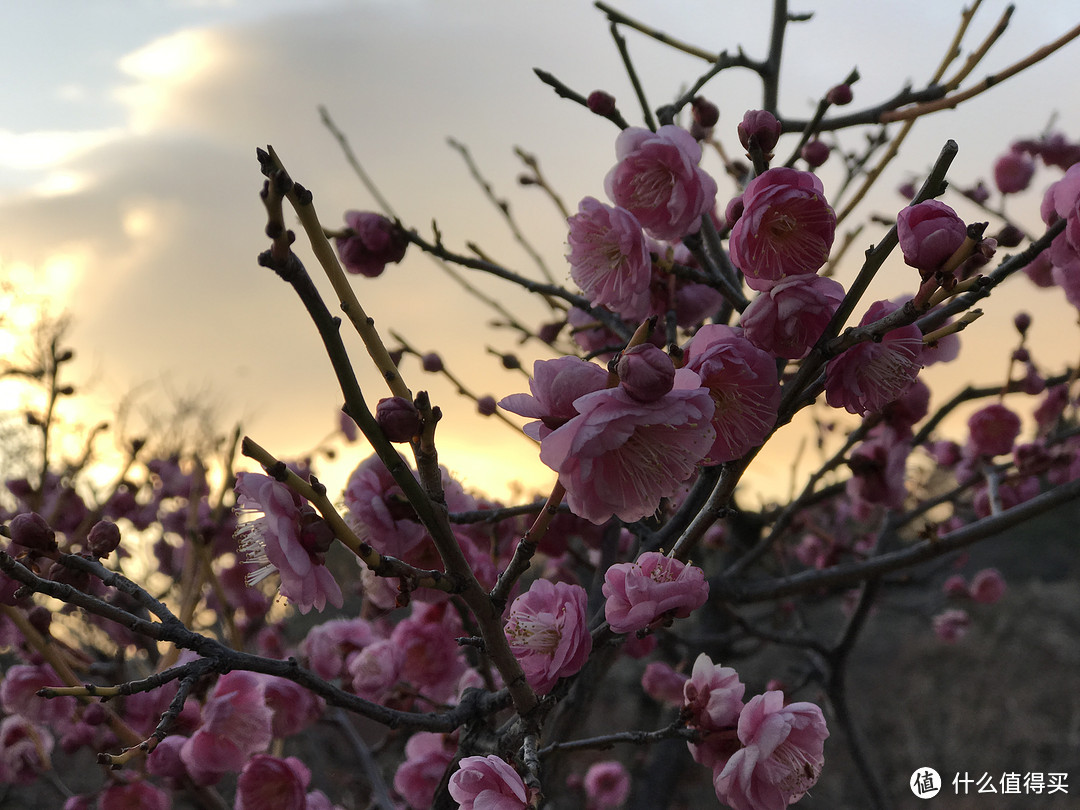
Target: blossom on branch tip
pixel 609 258
pixel 870 375
pixel 373 243
pixel 639 593
pixel 547 627
pixel 236 724
pixel 555 385
pixel 620 457
pixel 743 385
pixel 761 128
pixel 929 233
pixel 488 783
pixel 287 537
pixel 272 782
pixel 788 318
pixel 993 430
pixel 781 757
pixel 712 701
pixel 658 180
pixel 786 228
pixel 1013 171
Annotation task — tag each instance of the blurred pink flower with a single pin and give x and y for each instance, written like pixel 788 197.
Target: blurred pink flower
pixel 547 627
pixel 955 586
pixel 488 783
pixel 24 750
pixel 743 385
pixel 427 756
pixel 1013 171
pixel 236 723
pixel 786 228
pixel 375 242
pixel 285 538
pixel 555 384
pixel 1061 201
pixel 272 783
pixel 993 430
pixel 328 644
pixel 951 625
pixel 428 655
pixel 878 467
pixel 662 683
pixel 18 695
pixel 140 794
pixel 788 318
pixel 294 707
pixel 870 375
pixel 929 232
pixel 712 701
pixel 621 457
pixel 781 757
pixel 609 258
pixel 646 372
pixel 607 784
pixel 987 586
pixel 655 584
pixel 375 670
pixel 658 180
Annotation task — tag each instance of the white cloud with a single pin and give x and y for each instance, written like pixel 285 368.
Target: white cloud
pixel 28 151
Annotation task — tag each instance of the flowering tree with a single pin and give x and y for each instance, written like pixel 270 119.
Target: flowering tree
pixel 459 645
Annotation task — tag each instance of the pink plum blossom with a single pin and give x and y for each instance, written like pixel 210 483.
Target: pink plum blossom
pixel 658 180
pixel 621 457
pixel 607 784
pixel 646 372
pixel 328 644
pixel 427 756
pixel 375 670
pixel 547 627
pixel 286 538
pixel 877 470
pixel 712 701
pixel 609 258
pixel 1013 171
pixel 1061 201
pixel 870 375
pixel 272 783
pixel 294 707
pixel 987 586
pixel 374 242
pixel 18 695
pixel 993 430
pixel 640 592
pixel 929 232
pixel 24 750
pixel 781 757
pixel 236 723
pixel 488 783
pixel 555 384
pixel 761 128
pixel 743 385
pixel 788 318
pixel 786 228
pixel 951 625
pixel 140 794
pixel 662 683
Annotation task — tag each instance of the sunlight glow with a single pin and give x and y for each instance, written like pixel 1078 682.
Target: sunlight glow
pixel 41 150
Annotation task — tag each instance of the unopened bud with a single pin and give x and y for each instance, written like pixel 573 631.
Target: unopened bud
pixel 1013 172
pixel 431 362
pixel 761 128
pixel 486 405
pixel 645 372
pixel 40 618
pixel 549 332
pixel 511 361
pixel 815 153
pixel 1022 322
pixel 398 418
pixel 705 113
pixel 32 531
pixel 1009 236
pixel 839 95
pixel 600 102
pixel 103 539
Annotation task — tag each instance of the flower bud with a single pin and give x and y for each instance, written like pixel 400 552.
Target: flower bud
pixel 398 418
pixel 645 372
pixel 510 361
pixel 374 241
pixel 600 102
pixel 839 95
pixel 1009 236
pixel 549 332
pixel 103 539
pixel 431 362
pixel 987 586
pixel 815 153
pixel 1013 172
pixel 40 618
pixel 30 530
pixel 978 193
pixel 705 113
pixel 907 190
pixel 486 405
pixel 929 234
pixel 761 128
pixel 1022 322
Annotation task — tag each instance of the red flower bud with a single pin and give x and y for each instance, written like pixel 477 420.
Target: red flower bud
pixel 600 102
pixel 398 418
pixel 431 362
pixel 760 127
pixel 815 153
pixel 30 530
pixel 839 95
pixel 645 372
pixel 705 113
pixel 103 539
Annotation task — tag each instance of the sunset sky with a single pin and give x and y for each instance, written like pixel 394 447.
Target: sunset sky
pixel 128 179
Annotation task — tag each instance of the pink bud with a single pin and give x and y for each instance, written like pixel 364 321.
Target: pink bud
pixel 1022 322
pixel 993 430
pixel 815 153
pixel 30 530
pixel 955 586
pixel 929 232
pixel 600 102
pixel 486 405
pixel 761 128
pixel 951 625
pixel 104 538
pixel 1013 172
pixel 645 372
pixel 398 418
pixel 987 586
pixel 373 243
pixel 705 113
pixel 431 362
pixel 1009 236
pixel 839 95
